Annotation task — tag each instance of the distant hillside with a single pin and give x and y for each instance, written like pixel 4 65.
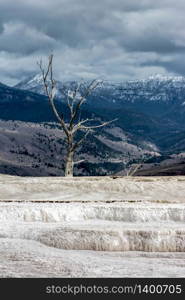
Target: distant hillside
pixel 38 149
pixel 175 169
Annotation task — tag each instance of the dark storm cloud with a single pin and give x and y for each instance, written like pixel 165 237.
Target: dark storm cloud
pixel 174 64
pixel 19 38
pixel 115 39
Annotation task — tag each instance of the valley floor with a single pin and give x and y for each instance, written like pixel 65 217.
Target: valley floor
pixel 92 227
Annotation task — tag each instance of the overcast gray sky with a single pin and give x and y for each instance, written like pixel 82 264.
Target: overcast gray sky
pixel 109 39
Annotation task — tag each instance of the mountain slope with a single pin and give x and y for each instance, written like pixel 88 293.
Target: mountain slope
pixel 32 143
pixel 150 122
pixel 38 149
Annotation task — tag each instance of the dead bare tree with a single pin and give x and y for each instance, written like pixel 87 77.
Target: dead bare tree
pixel 133 169
pixel 130 171
pixel 74 103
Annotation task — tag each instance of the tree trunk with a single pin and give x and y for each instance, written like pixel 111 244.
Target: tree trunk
pixel 69 164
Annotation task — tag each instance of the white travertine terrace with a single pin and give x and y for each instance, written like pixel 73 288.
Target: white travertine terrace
pixel 84 189
pixel 99 227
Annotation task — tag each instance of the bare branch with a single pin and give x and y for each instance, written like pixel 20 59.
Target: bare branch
pixel 96 126
pixel 131 172
pixel 50 92
pixel 77 144
pixel 80 123
pixel 78 162
pixel 88 91
pixel 77 89
pixel 70 104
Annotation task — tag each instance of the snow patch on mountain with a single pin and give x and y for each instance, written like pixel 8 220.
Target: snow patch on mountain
pixel 155 88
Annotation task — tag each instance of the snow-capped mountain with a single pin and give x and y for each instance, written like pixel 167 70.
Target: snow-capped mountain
pixel 155 88
pixel 150 105
pixel 35 84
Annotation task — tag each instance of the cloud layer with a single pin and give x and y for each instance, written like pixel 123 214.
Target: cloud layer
pixel 115 40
